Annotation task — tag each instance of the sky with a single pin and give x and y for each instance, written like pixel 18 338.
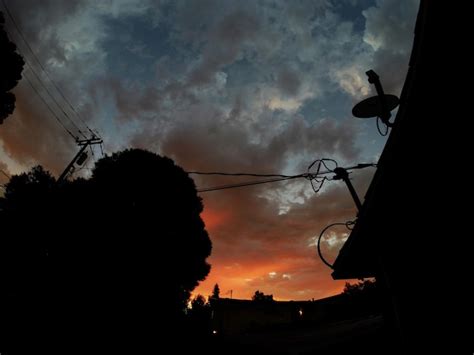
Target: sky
pixel 263 86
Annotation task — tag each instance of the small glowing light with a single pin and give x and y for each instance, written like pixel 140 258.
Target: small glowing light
pixel 214 332
pixel 300 312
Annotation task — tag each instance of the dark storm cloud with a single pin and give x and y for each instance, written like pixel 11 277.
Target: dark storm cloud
pixel 37 21
pixel 33 16
pixel 224 45
pixel 132 100
pixel 288 81
pixel 32 138
pixel 208 142
pixel 55 33
pixel 390 30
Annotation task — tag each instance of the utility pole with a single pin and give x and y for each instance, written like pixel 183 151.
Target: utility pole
pixel 81 155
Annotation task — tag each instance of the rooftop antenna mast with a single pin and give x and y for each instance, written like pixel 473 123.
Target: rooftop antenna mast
pixel 81 155
pixel 377 106
pixel 343 174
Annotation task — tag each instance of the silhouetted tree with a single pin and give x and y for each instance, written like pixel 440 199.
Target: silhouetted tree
pixel 200 317
pixel 11 66
pixel 261 297
pixel 365 286
pixel 29 190
pixel 155 203
pixel 198 303
pixel 364 296
pixel 25 277
pixel 216 292
pixel 110 260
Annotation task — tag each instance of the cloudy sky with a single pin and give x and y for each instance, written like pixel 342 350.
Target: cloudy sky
pixel 263 86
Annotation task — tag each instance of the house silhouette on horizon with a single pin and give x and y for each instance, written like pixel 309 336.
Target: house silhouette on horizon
pixel 406 225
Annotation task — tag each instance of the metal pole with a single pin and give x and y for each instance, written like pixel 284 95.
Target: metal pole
pixel 385 114
pixel 71 164
pixel 342 174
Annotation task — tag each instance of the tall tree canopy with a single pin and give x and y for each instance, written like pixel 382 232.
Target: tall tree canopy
pixel 11 66
pixel 119 252
pixel 156 207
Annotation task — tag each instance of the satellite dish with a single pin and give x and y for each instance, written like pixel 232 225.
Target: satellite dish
pixel 372 107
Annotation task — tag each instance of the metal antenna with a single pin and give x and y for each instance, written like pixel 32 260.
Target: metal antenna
pixel 384 113
pixel 377 106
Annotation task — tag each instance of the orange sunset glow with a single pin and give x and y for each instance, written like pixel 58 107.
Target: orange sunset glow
pixel 244 261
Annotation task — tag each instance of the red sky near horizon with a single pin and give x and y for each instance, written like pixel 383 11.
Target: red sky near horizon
pixel 285 275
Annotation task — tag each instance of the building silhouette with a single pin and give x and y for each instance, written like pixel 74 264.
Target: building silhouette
pixel 405 234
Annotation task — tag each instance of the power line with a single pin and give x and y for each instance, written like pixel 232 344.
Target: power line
pixel 318 177
pixel 58 89
pixel 38 78
pixel 50 109
pixel 239 174
pixel 5 173
pixel 248 183
pixel 53 98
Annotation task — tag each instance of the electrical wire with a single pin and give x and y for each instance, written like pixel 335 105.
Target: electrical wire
pixel 247 183
pixel 43 85
pixel 58 89
pixel 50 109
pixel 5 173
pixel 382 133
pixel 348 225
pixel 239 174
pixel 317 176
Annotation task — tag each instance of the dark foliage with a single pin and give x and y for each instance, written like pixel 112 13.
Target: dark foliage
pixel 100 265
pixel 365 296
pixel 365 287
pixel 261 297
pixel 11 66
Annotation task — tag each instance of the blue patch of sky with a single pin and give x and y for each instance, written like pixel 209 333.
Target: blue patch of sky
pixel 336 105
pixel 134 47
pixel 370 142
pixel 351 10
pixel 332 104
pixel 116 132
pixel 242 73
